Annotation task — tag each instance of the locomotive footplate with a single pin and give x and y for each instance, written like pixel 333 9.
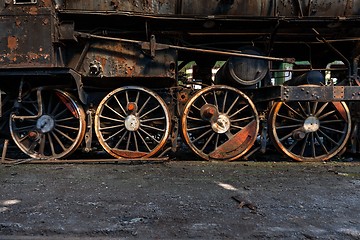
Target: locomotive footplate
pixel 305 93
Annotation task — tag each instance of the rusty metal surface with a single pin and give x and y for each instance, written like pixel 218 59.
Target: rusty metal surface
pixel 315 134
pixel 224 112
pixel 237 144
pixel 271 7
pixel 115 59
pixel 143 6
pixel 28 39
pixel 215 7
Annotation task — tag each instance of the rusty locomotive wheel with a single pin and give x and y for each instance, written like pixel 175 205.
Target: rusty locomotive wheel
pixel 310 131
pixel 132 122
pixel 220 123
pixel 48 124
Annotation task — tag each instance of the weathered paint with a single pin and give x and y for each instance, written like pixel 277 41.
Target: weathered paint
pixel 28 40
pixel 128 60
pixel 12 43
pixel 256 8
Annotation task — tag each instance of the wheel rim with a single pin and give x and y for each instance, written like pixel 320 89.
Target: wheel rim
pixel 132 122
pixel 310 131
pixel 220 123
pixel 56 133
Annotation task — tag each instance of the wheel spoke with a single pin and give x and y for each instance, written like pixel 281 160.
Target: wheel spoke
pixel 321 143
pixel 64 135
pixel 121 107
pixel 112 119
pixel 332 121
pixel 142 139
pixel 202 96
pixel 136 143
pixel 321 109
pixel 312 144
pixel 326 114
pixel 61 113
pixel 315 139
pixel 198 128
pixel 219 137
pixel 57 132
pixel 64 119
pixel 67 127
pixel 111 127
pixel 115 134
pixel 295 112
pixel 56 108
pixel 292 145
pixel 150 111
pixel 224 101
pixel 153 128
pixel 215 100
pixel 314 108
pixel 42 145
pixel 150 136
pixel 240 110
pixel 152 119
pixel 128 141
pixel 202 135
pixel 289 126
pixel 290 118
pixel 232 105
pixel 302 110
pixel 329 138
pixel 143 106
pixel 286 137
pixel 51 144
pixel 304 145
pixel 20 129
pixel 144 129
pixel 208 141
pixel 332 129
pixel 58 141
pixel 114 111
pixel 121 139
pixel 242 119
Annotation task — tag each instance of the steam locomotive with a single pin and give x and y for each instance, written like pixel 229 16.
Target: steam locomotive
pixel 109 75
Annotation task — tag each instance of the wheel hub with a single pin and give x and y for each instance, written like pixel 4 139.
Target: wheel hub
pixel 222 124
pixel 45 123
pixel 132 123
pixel 209 112
pixel 311 124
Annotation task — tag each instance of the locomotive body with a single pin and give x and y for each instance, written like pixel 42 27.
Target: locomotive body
pixel 91 75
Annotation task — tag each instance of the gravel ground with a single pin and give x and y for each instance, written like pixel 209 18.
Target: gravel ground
pixel 181 200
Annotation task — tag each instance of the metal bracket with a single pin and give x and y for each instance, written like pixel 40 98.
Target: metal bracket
pixel 338 92
pixel 88 135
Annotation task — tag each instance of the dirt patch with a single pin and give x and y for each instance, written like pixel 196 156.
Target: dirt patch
pixel 181 199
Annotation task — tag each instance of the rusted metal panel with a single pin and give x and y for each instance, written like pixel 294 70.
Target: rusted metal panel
pixel 139 6
pixel 117 59
pixel 226 7
pixel 255 8
pixel 268 8
pixel 237 144
pixel 28 39
pixel 318 8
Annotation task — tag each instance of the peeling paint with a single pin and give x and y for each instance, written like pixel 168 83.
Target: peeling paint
pixel 33 11
pixel 12 43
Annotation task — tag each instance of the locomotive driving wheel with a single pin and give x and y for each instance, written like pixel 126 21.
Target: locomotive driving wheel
pixel 132 122
pixel 220 123
pixel 48 124
pixel 310 131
